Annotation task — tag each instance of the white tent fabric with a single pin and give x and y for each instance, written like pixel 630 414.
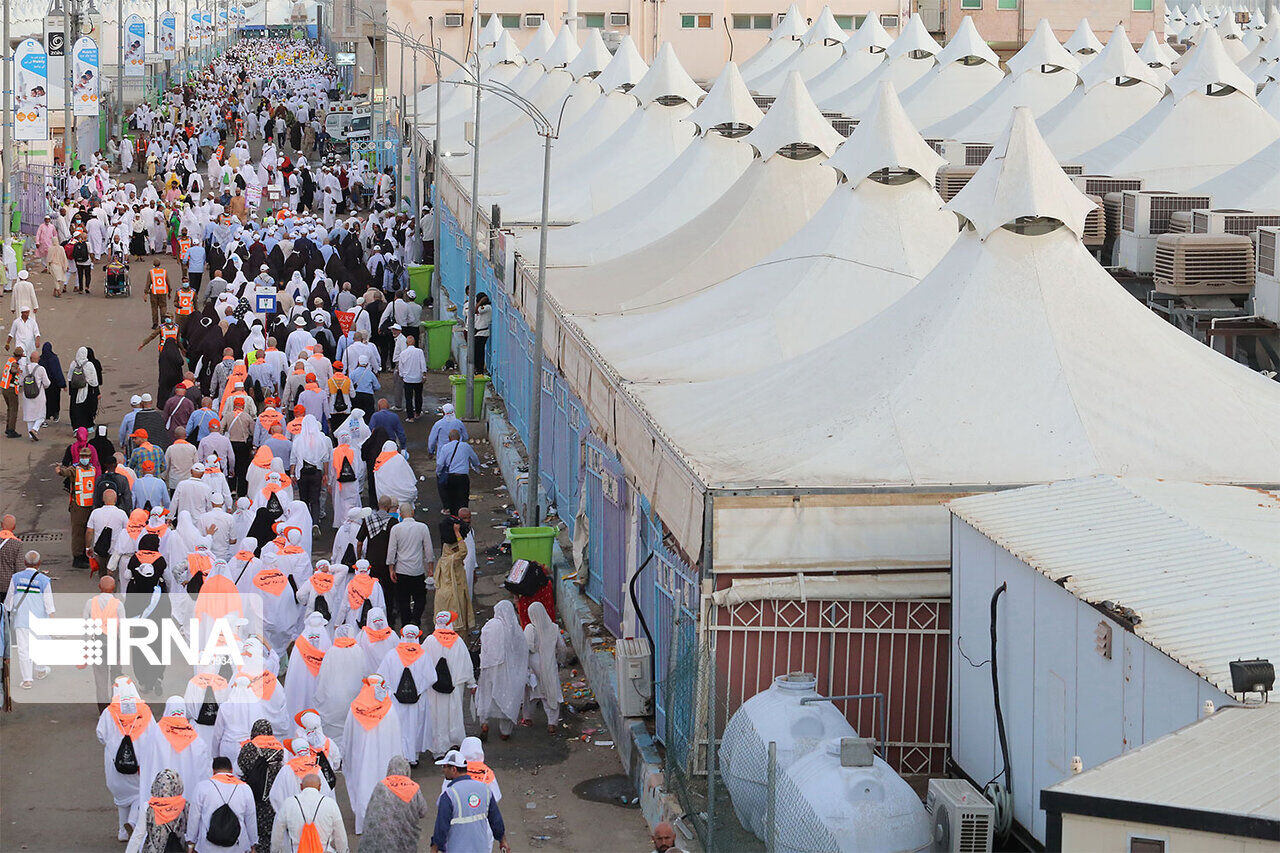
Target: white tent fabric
pixel 1115 90
pixel 491 31
pixel 774 197
pixel 540 43
pixel 1083 44
pixel 700 175
pixel 1229 32
pixel 1040 76
pixel 1016 360
pixel 1269 99
pixel 783 42
pixel 866 246
pixel 592 59
pixel 967 70
pixel 504 127
pixel 911 56
pixel 823 46
pixel 1267 49
pixel 561 52
pixel 1191 136
pixel 863 52
pixel 1158 56
pixel 1253 184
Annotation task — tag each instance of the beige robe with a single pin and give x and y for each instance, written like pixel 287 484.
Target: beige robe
pixel 451 586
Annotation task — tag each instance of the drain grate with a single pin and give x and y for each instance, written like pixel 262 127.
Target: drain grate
pixel 41 537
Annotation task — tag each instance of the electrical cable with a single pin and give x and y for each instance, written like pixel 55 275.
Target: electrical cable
pixel 1000 795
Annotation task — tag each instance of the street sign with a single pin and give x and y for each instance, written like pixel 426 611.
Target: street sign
pixel 343 58
pixel 264 300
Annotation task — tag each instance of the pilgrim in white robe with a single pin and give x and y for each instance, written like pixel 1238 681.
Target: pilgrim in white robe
pixel 446 725
pixel 409 657
pixel 371 738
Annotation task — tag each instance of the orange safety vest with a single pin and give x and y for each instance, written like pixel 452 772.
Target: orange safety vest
pixel 186 302
pixel 6 378
pixel 103 615
pixel 82 486
pixel 159 283
pixel 167 333
pixel 184 243
pixel 217 153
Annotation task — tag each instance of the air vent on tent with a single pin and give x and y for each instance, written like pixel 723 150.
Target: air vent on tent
pixel 1266 286
pixel 844 126
pixel 964 153
pixel 670 100
pixel 1103 184
pixel 951 179
pixel 1179 222
pixel 1144 215
pixel 1095 225
pixel 1198 264
pixel 731 129
pixel 1231 221
pixel 799 151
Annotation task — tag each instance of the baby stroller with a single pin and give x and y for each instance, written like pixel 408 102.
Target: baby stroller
pixel 117 279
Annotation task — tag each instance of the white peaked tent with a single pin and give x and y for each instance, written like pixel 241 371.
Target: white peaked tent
pixel 699 176
pixel 775 196
pixel 499 63
pixel 911 56
pixel 540 43
pixel 562 51
pixel 1083 44
pixel 629 158
pixel 592 59
pixel 1016 360
pixel 1266 72
pixel 1232 37
pixel 1269 99
pixel 594 108
pixel 823 47
pixel 1208 122
pixel 863 52
pixel 783 42
pixel 1040 76
pixel 1268 48
pixel 880 232
pixel 1115 90
pixel 490 32
pixel 1158 56
pixel 967 69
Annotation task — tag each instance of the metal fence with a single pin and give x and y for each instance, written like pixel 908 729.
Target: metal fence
pixel 33 185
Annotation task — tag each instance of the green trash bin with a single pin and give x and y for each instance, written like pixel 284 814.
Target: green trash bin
pixel 532 543
pixel 460 394
pixel 420 280
pixel 439 337
pixel 19 243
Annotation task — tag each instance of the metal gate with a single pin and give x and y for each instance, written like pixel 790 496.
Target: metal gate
pixel 571 425
pixel 898 648
pixel 670 607
pixel 607 532
pixel 32 185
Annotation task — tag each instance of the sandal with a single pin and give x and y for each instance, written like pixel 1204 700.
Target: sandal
pixel 484 733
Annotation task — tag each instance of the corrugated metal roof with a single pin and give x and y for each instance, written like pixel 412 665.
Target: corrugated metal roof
pixel 1218 764
pixel 1199 563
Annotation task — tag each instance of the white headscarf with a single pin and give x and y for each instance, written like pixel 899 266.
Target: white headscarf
pixel 354 430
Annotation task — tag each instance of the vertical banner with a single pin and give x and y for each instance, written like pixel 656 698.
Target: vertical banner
pixel 223 22
pixel 86 85
pixel 135 46
pixel 192 36
pixel 206 17
pixel 31 91
pixel 169 35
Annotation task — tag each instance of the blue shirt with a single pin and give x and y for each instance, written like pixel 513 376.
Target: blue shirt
pixel 150 488
pixel 195 258
pixel 199 420
pixel 444 817
pixel 440 431
pixel 126 427
pixel 457 457
pixel 30 595
pixel 389 421
pixel 364 380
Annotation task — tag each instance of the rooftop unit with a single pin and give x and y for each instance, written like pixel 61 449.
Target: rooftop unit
pixel 1232 221
pixel 1095 225
pixel 1266 286
pixel 1144 216
pixel 1203 264
pixel 951 179
pixel 1100 185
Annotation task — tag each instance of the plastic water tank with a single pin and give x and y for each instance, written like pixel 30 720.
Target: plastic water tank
pixel 853 803
pixel 774 715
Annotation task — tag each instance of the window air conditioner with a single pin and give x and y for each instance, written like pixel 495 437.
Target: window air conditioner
pixel 1198 264
pixel 533 20
pixel 1144 216
pixel 619 19
pixel 453 19
pixel 1232 221
pixel 963 820
pixel 1266 285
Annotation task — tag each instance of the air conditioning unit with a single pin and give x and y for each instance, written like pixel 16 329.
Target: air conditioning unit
pixel 1232 221
pixel 619 19
pixel 533 20
pixel 633 661
pixel 1100 185
pixel 951 179
pixel 1266 285
pixel 844 126
pixel 964 153
pixel 1200 264
pixel 1072 170
pixel 963 820
pixel 1095 225
pixel 1144 216
pixel 1111 201
pixel 1179 222
pixel 453 19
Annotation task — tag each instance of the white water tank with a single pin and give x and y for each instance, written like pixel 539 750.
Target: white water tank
pixel 774 715
pixel 843 797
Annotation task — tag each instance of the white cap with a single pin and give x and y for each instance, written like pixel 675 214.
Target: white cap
pixel 135 400
pixel 453 758
pixel 146 398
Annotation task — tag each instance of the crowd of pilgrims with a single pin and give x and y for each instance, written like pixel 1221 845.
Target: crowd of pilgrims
pixel 263 426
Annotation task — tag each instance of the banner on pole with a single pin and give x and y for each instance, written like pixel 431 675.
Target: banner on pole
pixel 206 17
pixel 223 21
pixel 31 91
pixel 169 35
pixel 87 85
pixel 135 46
pixel 192 35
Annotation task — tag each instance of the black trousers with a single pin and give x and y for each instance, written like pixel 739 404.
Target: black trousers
pixel 243 451
pixel 478 351
pixel 455 491
pixel 411 598
pixel 364 402
pixel 413 399
pixel 195 278
pixel 309 487
pixel 84 273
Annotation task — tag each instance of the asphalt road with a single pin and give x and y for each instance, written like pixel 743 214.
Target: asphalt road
pixel 52 787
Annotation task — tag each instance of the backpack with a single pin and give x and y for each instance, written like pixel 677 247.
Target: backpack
pixel 80 254
pixel 30 388
pixel 208 714
pixel 126 761
pixel 309 841
pixel 407 691
pixel 224 826
pixel 444 678
pixel 347 474
pixel 326 769
pixel 364 613
pixel 322 607
pixel 76 380
pixel 175 844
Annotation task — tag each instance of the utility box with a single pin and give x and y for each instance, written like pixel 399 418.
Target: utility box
pixel 634 662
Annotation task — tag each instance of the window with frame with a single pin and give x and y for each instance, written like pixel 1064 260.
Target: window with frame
pixel 1143 5
pixel 752 22
pixel 857 21
pixel 1007 4
pixel 593 20
pixel 696 21
pixel 510 22
pixel 970 4
pixel 845 22
pixel 1138 844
